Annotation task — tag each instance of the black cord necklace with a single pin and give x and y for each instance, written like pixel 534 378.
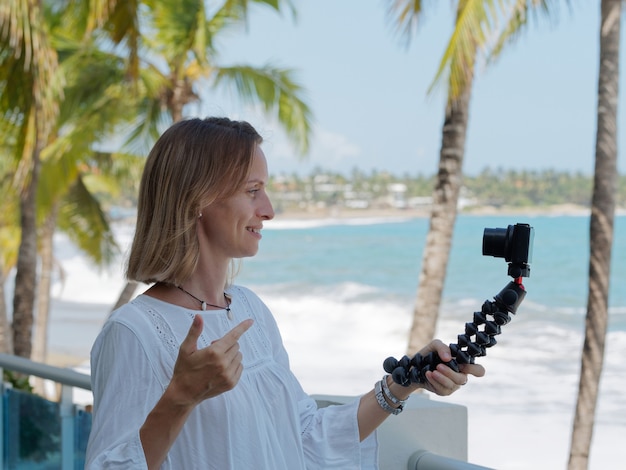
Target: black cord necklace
pixel 204 303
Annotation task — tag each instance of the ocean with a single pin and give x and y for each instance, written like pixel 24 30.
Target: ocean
pixel 342 291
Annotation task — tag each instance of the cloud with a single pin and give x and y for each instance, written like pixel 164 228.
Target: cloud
pixel 335 146
pixel 328 150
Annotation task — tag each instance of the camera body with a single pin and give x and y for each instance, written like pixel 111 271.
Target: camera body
pixel 514 244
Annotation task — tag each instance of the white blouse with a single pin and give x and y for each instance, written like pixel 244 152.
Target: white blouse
pixel 266 422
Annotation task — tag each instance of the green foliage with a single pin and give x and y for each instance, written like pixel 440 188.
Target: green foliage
pixel 498 188
pixel 17 381
pixel 529 188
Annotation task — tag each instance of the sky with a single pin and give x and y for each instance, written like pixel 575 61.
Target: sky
pixel 534 109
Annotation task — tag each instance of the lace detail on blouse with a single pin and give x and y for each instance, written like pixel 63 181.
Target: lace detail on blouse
pixel 163 331
pixel 257 337
pixel 256 344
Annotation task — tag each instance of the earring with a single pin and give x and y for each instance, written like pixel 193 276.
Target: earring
pixel 200 215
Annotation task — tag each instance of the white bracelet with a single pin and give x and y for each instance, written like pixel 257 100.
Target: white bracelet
pixel 380 397
pixel 392 398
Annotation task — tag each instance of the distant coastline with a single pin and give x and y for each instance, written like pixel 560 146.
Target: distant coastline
pixel 343 213
pixel 336 212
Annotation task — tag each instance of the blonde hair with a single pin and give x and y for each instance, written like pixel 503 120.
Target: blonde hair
pixel 193 163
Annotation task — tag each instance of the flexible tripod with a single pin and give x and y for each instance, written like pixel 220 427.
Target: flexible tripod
pixel 479 333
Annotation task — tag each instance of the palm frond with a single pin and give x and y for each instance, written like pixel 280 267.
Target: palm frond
pixel 9 246
pixel 112 171
pixel 24 36
pixel 99 12
pixel 175 25
pixel 71 18
pixel 236 12
pixel 94 78
pixel 475 22
pixel 121 24
pixel 517 18
pixel 151 119
pixel 277 91
pixel 82 219
pixel 58 173
pixel 404 16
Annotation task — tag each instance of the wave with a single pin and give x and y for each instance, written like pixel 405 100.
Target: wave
pixel 349 292
pixel 81 281
pixel 296 224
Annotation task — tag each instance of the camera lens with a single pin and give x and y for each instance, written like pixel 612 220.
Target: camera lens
pixel 495 241
pixel 514 244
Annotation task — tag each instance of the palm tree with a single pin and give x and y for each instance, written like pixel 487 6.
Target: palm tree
pixel 29 86
pixel 474 31
pixel 473 20
pixel 603 199
pixel 96 101
pixel 600 234
pixel 173 54
pixel 84 119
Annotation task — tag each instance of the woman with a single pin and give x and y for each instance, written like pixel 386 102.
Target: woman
pixel 193 372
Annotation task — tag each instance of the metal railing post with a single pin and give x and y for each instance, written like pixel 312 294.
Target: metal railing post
pixel 66 411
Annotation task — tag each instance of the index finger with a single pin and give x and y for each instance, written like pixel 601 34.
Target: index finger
pixel 233 335
pixel 476 370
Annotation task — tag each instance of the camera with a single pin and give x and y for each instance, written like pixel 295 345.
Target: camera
pixel 514 244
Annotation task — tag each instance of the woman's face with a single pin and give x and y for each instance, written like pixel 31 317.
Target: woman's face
pixel 231 227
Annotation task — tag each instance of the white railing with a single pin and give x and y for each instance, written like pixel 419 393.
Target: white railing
pixel 428 435
pixel 424 460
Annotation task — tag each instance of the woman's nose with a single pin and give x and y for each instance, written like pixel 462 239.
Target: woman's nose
pixel 266 211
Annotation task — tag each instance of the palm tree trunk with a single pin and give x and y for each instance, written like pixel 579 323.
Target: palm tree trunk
pixel 40 343
pixel 442 220
pixel 26 273
pixel 40 346
pixel 29 38
pixel 178 95
pixel 601 235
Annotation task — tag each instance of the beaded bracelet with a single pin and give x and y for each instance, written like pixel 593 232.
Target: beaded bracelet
pixel 392 398
pixel 380 397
